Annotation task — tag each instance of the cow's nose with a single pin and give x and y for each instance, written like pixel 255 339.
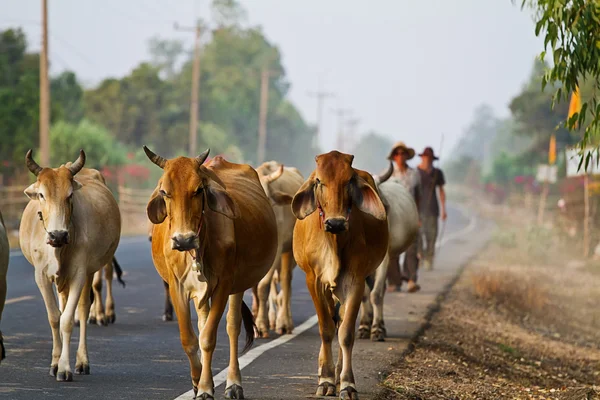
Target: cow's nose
pixel 58 238
pixel 184 243
pixel 335 225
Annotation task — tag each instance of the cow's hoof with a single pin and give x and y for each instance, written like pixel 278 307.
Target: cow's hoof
pixel 378 335
pixel 53 370
pixel 65 376
pixel 364 333
pixel 2 349
pixel 349 393
pixel 111 319
pixel 234 392
pixel 91 320
pixel 326 389
pixel 205 396
pixel 167 317
pixel 82 369
pixel 262 334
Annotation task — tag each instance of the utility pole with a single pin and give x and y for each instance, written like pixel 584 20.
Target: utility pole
pixel 351 136
pixel 320 95
pixel 194 111
pixel 44 91
pixel 340 135
pixel 262 117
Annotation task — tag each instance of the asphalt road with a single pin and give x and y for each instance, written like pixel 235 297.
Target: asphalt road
pixel 140 356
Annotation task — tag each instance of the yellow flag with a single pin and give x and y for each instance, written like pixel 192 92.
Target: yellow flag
pixel 552 150
pixel 575 105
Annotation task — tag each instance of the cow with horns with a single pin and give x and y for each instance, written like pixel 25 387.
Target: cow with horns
pixel 340 239
pixel 403 227
pixel 280 184
pixel 69 230
pixel 215 236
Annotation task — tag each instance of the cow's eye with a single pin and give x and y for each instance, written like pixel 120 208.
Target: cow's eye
pixel 318 181
pixel 41 196
pixel 163 193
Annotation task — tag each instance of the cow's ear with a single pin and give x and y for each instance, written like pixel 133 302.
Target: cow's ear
pixel 281 198
pixel 156 209
pixel 220 201
pixel 31 191
pixel 366 199
pixel 76 185
pixel 303 203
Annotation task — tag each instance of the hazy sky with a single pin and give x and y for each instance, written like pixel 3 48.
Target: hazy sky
pixel 411 70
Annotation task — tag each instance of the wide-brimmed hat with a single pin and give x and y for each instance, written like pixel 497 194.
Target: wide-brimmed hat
pixel 428 152
pixel 400 145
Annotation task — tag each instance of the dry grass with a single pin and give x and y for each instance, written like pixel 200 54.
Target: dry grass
pixel 510 289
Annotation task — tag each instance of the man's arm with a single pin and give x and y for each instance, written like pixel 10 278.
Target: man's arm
pixel 441 183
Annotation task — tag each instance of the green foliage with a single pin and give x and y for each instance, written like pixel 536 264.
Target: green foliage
pixel 506 167
pixel 101 149
pixel 572 31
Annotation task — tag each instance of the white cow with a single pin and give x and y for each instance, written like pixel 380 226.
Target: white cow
pixel 4 256
pixel 69 230
pixel 403 225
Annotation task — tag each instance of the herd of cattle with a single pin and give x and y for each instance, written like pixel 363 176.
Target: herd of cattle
pixel 218 229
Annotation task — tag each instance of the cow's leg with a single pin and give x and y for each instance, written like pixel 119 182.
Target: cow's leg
pixel 285 324
pixel 2 301
pixel 378 331
pixel 208 339
pixel 97 315
pixel 234 326
pixel 189 340
pixel 168 314
pixel 366 313
pixel 274 303
pixel 110 300
pixel 82 363
pixel 66 326
pixel 346 339
pixel 262 320
pixel 324 306
pixel 45 286
pixel 255 301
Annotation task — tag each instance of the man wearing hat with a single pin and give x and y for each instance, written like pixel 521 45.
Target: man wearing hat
pixel 410 178
pixel 429 209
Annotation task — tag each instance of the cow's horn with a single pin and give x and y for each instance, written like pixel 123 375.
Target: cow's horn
pixel 387 174
pixel 275 174
pixel 155 158
pixel 78 164
pixel 202 157
pixel 32 165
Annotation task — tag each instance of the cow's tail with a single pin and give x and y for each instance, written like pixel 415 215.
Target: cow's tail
pixel 118 270
pixel 249 326
pixel 337 319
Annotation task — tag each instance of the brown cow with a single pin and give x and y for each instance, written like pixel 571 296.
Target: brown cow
pixel 215 236
pixel 338 247
pixel 70 229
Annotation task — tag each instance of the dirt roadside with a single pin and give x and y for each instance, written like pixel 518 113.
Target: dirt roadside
pixel 521 322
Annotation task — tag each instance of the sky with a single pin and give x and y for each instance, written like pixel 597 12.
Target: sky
pixel 410 70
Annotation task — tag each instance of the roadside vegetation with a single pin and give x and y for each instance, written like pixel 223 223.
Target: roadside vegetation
pixel 522 322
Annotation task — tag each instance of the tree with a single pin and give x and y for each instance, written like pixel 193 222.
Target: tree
pixel 68 94
pixel 371 151
pixel 572 29
pixel 165 54
pixel 101 148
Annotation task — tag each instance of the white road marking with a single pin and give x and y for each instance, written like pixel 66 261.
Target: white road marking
pixel 18 299
pixel 256 352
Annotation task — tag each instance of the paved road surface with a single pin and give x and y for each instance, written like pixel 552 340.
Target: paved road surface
pixel 140 356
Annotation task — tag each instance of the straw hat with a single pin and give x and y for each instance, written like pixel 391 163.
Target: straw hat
pixel 401 145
